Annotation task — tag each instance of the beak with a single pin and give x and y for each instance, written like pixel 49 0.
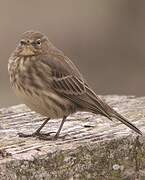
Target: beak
pixel 27 51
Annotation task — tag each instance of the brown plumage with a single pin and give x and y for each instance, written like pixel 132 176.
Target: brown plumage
pixel 50 84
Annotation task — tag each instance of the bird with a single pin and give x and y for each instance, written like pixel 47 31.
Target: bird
pixel 49 83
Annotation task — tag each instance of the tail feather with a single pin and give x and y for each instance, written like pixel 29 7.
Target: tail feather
pixel 110 113
pixel 91 102
pixel 126 122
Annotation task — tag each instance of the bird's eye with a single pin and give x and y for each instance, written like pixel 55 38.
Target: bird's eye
pixel 38 42
pixel 23 42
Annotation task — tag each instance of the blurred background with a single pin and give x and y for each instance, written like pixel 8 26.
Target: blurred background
pixel 106 39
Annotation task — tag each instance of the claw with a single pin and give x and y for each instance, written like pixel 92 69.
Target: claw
pixel 51 138
pixel 47 138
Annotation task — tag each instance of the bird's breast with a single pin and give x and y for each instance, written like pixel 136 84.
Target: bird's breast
pixel 34 90
pixel 17 68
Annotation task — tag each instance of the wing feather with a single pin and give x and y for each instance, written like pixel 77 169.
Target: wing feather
pixel 68 85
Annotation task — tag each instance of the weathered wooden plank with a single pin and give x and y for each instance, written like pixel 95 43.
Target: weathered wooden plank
pixel 91 147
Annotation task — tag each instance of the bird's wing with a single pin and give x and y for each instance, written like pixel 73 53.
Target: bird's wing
pixel 67 81
pixel 68 85
pixel 65 77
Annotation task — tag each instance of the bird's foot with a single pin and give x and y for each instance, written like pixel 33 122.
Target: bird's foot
pixel 51 137
pixel 48 138
pixel 35 134
pixel 42 136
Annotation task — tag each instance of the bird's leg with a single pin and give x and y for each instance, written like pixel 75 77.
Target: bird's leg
pixel 57 134
pixel 60 127
pixel 37 132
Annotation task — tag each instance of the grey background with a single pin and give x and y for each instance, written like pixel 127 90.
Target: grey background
pixel 105 38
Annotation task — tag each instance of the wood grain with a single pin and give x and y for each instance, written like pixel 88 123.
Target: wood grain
pixel 89 146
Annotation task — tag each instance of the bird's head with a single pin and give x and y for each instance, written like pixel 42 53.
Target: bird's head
pixel 32 43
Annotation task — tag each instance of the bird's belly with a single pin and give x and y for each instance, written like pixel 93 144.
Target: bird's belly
pixel 47 104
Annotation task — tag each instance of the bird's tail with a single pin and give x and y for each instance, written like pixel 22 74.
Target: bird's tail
pixel 101 107
pixel 122 119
